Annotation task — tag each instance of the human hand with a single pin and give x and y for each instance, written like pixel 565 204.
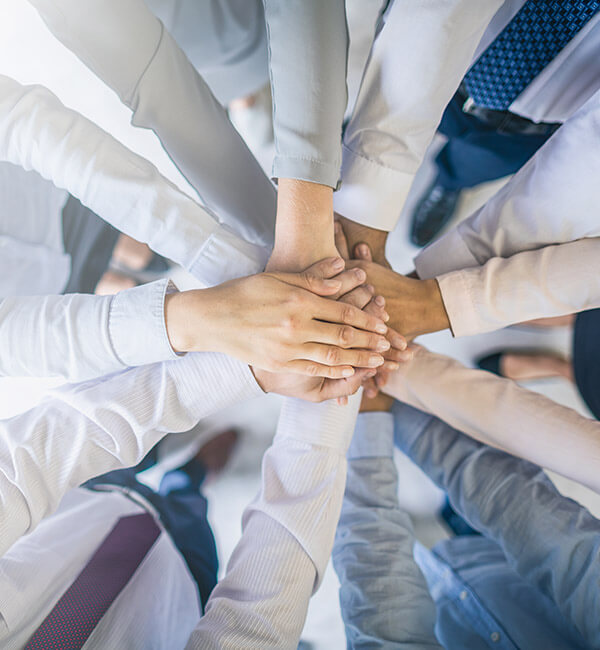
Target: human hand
pixel 276 322
pixel 356 233
pixel 415 306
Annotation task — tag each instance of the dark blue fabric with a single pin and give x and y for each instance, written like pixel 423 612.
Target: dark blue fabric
pixel 182 510
pixel 586 358
pixel 476 153
pixel 537 33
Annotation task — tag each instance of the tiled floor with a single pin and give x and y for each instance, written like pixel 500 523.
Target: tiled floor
pixel 30 54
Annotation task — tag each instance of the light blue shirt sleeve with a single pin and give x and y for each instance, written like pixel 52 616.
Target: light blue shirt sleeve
pixel 308 52
pixel 552 542
pixel 385 601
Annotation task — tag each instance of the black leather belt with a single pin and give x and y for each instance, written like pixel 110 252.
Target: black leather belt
pixel 505 122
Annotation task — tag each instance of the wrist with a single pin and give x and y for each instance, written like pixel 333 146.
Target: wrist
pixel 187 320
pixel 436 317
pixel 304 229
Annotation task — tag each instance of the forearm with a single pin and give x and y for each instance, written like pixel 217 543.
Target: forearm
pixel 38 132
pixel 549 540
pixel 550 200
pixel 84 430
pixel 288 533
pixel 551 281
pixel 487 407
pixel 304 229
pixel 383 595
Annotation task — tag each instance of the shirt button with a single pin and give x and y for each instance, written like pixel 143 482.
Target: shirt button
pixel 463 595
pixel 495 637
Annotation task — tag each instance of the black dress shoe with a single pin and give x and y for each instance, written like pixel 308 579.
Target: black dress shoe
pixel 433 212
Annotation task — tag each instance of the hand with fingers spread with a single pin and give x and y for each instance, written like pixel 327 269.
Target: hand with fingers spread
pixel 282 322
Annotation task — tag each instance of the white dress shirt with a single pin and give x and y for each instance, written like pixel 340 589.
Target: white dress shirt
pixel 76 337
pixel 551 200
pixel 417 62
pixel 84 430
pixel 38 132
pixel 32 254
pixel 502 414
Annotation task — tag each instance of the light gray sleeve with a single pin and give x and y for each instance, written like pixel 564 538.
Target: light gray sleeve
pixel 308 50
pixel 384 598
pixel 551 541
pixel 128 48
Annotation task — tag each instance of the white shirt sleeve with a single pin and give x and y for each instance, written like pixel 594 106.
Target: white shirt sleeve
pixel 417 61
pixel 79 337
pixel 551 281
pixel 84 430
pixel 551 200
pixel 500 413
pixel 38 132
pixel 288 533
pixel 166 94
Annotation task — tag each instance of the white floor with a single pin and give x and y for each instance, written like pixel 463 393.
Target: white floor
pixel 31 55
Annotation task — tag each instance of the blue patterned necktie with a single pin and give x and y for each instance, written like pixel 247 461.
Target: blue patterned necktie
pixel 537 33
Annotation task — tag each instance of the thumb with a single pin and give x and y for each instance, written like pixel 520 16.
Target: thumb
pixel 318 277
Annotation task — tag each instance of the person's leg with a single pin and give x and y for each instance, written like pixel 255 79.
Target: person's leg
pixel 476 153
pixel 182 510
pixel 89 241
pixel 128 48
pixel 551 541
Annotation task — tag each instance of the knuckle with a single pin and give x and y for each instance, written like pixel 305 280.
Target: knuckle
pixel 333 356
pixel 347 313
pixel 312 370
pixel 345 335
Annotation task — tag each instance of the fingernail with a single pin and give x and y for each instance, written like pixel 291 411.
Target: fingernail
pixel 375 361
pixel 371 393
pixel 381 328
pixel 392 365
pixel 382 346
pixel 338 265
pixel 332 284
pixel 380 300
pixel 363 250
pixel 361 276
pixel 407 355
pixel 347 372
pixel 370 288
pixel 399 343
pixel 385 317
pixel 370 374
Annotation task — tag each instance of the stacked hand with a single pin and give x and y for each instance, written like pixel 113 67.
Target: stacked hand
pixel 284 323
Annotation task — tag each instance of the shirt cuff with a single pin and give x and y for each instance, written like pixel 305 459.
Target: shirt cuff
pixel 136 324
pixel 448 253
pixel 458 296
pixel 224 381
pixel 306 169
pixel 226 256
pixel 326 424
pixel 373 436
pixel 371 194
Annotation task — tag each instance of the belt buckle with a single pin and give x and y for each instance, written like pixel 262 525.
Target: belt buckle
pixel 468 105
